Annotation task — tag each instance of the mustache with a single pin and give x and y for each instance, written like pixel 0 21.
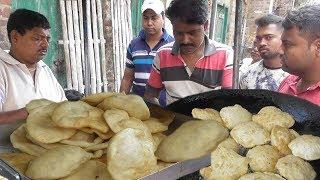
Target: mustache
pixel 182 45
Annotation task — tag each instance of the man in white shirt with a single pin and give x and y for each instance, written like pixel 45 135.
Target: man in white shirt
pixel 23 76
pixel 266 74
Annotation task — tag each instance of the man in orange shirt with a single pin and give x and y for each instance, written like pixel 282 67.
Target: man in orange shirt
pixel 301 45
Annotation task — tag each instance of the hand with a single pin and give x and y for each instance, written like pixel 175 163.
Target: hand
pixel 13 116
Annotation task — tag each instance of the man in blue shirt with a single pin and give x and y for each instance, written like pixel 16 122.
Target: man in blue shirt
pixel 142 49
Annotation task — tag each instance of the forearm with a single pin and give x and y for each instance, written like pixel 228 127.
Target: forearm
pixel 13 116
pixel 125 86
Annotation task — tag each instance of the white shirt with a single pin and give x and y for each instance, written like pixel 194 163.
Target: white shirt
pixel 17 88
pixel 260 77
pixel 246 62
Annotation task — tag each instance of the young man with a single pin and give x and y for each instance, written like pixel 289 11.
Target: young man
pixel 142 49
pixel 23 76
pixel 266 74
pixel 193 63
pixel 301 45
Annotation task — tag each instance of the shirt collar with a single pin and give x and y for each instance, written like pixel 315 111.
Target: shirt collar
pixel 6 57
pixel 209 47
pixel 165 35
pixel 293 82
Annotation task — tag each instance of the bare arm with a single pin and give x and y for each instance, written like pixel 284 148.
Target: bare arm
pixel 13 116
pixel 127 80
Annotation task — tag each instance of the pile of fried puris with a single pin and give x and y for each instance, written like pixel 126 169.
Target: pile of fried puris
pixel 116 136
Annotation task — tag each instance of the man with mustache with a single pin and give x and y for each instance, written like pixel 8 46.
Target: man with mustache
pixel 142 49
pixel 192 64
pixel 301 45
pixel 266 74
pixel 23 74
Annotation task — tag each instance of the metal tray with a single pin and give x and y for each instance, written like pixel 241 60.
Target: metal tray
pixel 307 116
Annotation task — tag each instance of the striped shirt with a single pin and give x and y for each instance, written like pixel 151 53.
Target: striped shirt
pixel 170 72
pixel 140 58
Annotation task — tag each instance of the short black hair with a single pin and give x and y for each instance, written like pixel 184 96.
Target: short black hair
pixel 188 11
pixel 269 19
pixel 306 19
pixel 24 19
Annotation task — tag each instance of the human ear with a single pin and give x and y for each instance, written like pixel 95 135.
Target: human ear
pixel 205 25
pixel 316 44
pixel 14 36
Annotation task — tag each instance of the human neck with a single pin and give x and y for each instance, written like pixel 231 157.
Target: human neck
pixel 192 58
pixel 20 59
pixel 273 63
pixel 154 37
pixel 310 77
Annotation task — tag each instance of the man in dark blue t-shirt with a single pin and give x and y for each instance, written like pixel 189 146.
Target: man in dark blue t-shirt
pixel 143 48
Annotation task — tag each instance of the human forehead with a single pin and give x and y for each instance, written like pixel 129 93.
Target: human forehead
pixel 38 31
pixel 150 13
pixel 268 29
pixel 179 26
pixel 291 34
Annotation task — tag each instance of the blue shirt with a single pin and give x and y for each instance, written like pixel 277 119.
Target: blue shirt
pixel 140 58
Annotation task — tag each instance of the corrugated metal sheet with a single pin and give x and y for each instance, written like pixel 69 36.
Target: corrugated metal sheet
pixel 136 16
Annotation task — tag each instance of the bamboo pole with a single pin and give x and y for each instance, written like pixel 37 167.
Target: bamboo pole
pixel 71 46
pixel 116 45
pixel 90 49
pixel 96 44
pixel 122 36
pixel 128 25
pixel 65 43
pixel 77 45
pixel 102 46
pixel 113 43
pixel 85 64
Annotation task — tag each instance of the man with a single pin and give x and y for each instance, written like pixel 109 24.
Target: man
pixel 301 45
pixel 192 64
pixel 266 74
pixel 142 49
pixel 23 76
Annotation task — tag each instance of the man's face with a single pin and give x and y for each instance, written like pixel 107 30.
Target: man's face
pixel 152 23
pixel 32 46
pixel 298 53
pixel 190 37
pixel 268 41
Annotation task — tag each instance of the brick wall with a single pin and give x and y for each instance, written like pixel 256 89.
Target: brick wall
pixel 281 7
pixel 256 9
pixel 5 11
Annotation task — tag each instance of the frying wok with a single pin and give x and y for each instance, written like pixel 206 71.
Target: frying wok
pixel 306 114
